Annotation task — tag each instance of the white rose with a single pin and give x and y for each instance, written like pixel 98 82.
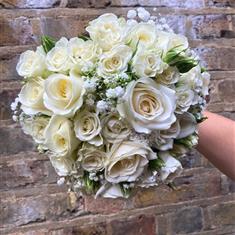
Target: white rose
pixel 35 126
pixel 82 52
pixel 148 63
pixel 192 79
pixel 169 76
pixel 31 63
pixel 164 139
pixel 31 97
pixel 60 138
pixel 148 106
pixel 92 159
pixel 188 125
pixel 114 61
pixel 57 58
pixel 63 165
pixel 143 34
pixel 108 190
pixel 127 160
pixel 114 129
pixel 167 41
pixel 87 127
pixel 185 98
pixel 172 167
pixel 107 30
pixel 63 95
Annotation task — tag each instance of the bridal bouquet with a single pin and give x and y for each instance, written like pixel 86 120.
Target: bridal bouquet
pixel 115 109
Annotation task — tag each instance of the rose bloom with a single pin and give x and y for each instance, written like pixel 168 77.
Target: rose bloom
pixel 31 97
pixel 107 30
pixel 35 126
pixel 114 61
pixel 127 160
pixel 148 106
pixel 185 98
pixel 188 125
pixel 87 127
pixel 31 63
pixel 57 58
pixel 63 94
pixel 114 129
pixel 60 138
pixel 92 159
pixel 143 33
pixel 166 41
pixel 82 52
pixel 169 76
pixel 63 165
pixel 172 167
pixel 148 63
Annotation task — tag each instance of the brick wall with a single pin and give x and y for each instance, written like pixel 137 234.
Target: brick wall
pixel 32 203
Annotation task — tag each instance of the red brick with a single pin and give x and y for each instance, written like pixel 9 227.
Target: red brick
pixel 208 26
pixel 26 172
pixel 104 205
pixel 14 141
pixel 188 187
pixel 29 4
pixel 139 225
pixel 16 31
pixel 223 214
pixel 48 207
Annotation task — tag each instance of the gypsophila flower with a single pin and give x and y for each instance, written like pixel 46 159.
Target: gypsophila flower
pixel 61 181
pixel 90 85
pixel 143 14
pixel 15 104
pixel 15 118
pixel 102 106
pixel 131 14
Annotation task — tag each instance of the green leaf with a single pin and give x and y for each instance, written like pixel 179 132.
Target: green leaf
pixel 203 69
pixel 176 57
pixel 84 37
pixel 156 164
pixel 48 43
pixel 126 191
pixel 91 186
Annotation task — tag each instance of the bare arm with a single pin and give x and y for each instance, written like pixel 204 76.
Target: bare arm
pixel 217 142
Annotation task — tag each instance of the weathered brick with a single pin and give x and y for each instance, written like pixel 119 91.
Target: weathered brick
pixel 14 141
pixel 16 31
pixel 69 26
pixel 29 4
pixel 104 205
pixel 217 58
pixel 208 26
pixel 220 3
pixel 223 214
pixel 90 3
pixel 159 3
pixel 26 172
pixel 139 225
pixel 8 59
pixel 22 211
pixel 6 98
pixel 192 159
pixel 188 187
pixel 92 229
pixel 187 220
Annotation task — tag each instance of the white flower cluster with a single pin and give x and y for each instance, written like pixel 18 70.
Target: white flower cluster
pixel 113 110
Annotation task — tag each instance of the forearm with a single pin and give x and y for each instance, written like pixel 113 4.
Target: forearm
pixel 217 142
